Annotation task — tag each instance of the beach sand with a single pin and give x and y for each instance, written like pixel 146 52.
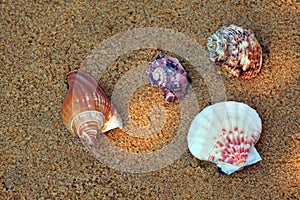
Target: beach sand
pixel 42 42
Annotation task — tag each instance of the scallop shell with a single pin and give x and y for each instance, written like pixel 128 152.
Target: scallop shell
pixel 236 50
pixel 225 133
pixel 86 110
pixel 167 73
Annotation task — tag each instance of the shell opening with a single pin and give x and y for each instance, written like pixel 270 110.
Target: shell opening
pixel 114 122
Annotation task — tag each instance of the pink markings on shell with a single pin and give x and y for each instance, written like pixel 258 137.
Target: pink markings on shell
pixel 233 146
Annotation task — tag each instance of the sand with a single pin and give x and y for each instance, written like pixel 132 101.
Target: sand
pixel 41 42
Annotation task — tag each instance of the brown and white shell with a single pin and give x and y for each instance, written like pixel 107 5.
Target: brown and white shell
pixel 236 50
pixel 86 110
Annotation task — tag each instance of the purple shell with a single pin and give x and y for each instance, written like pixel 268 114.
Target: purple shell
pixel 167 73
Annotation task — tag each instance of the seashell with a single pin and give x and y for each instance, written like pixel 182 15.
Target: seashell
pixel 167 73
pixel 86 110
pixel 225 133
pixel 236 50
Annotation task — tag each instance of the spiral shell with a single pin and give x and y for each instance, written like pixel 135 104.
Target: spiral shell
pixel 86 110
pixel 168 74
pixel 225 133
pixel 236 50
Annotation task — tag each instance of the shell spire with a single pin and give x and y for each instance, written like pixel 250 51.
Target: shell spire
pixel 86 110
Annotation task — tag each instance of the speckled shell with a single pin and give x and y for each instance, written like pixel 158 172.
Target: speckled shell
pixel 86 110
pixel 168 74
pixel 236 50
pixel 225 133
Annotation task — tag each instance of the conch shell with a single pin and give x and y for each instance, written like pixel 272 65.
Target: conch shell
pixel 86 110
pixel 236 50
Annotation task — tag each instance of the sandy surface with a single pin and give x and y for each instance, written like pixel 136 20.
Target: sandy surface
pixel 41 42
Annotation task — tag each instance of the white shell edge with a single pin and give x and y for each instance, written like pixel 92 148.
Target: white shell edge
pixel 253 157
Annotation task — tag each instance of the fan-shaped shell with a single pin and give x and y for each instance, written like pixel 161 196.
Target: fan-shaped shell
pixel 225 133
pixel 86 110
pixel 236 50
pixel 168 74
